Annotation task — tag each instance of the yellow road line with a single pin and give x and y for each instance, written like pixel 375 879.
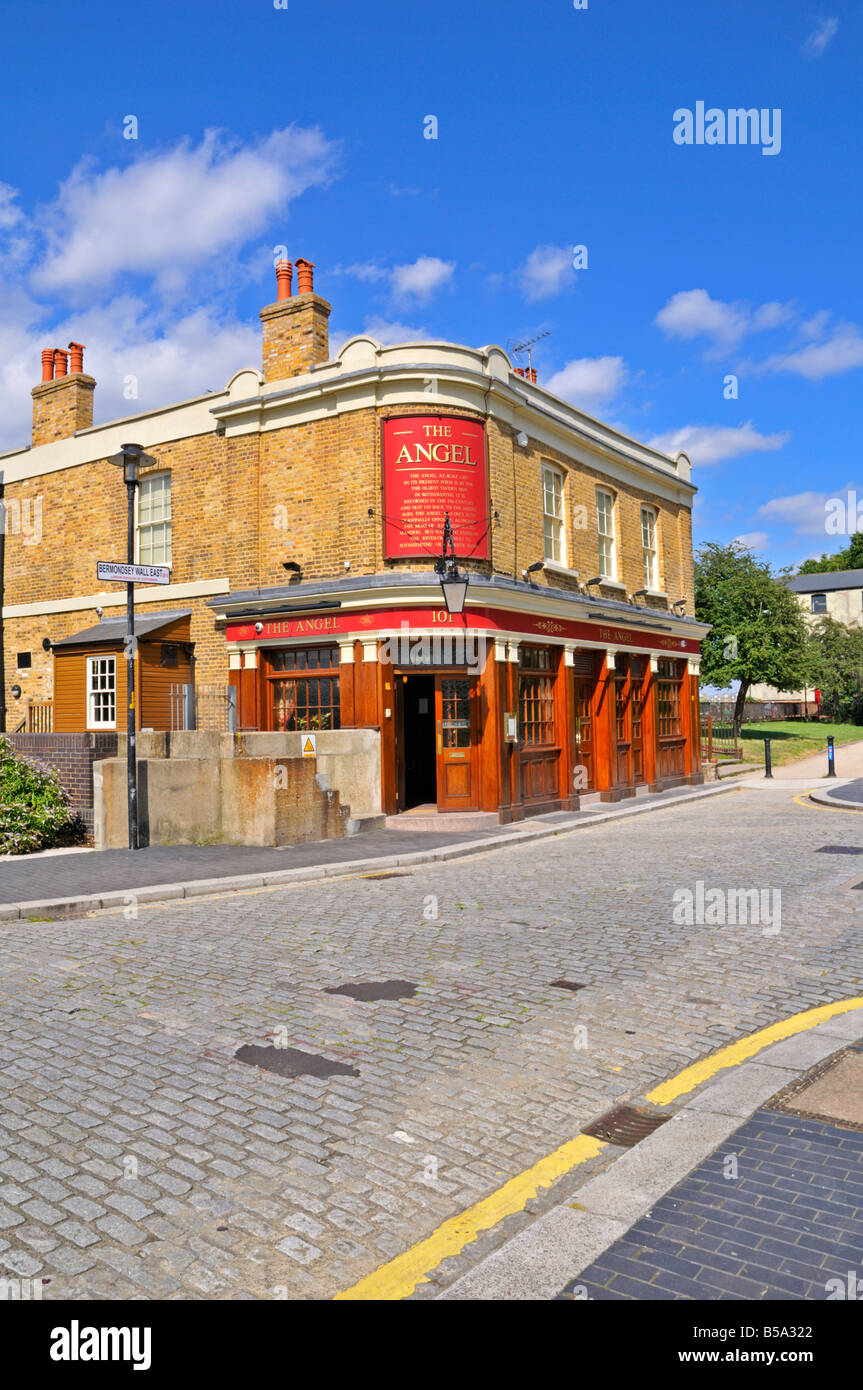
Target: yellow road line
pixel 737 1052
pixel 820 805
pixel 400 1276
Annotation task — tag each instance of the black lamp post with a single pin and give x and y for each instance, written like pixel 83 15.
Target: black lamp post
pixel 131 459
pixel 453 585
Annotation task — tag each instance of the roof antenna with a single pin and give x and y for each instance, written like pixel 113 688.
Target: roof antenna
pixel 519 348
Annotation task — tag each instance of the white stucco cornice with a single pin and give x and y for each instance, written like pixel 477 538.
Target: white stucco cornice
pixel 366 374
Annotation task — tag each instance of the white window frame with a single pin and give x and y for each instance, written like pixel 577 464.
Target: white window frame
pixel 553 519
pixel 607 536
pixel 141 526
pixel 92 721
pixel 650 553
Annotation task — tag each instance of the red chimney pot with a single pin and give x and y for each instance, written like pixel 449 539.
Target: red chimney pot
pixel 305 276
pixel 61 362
pixel 76 357
pixel 48 364
pixel 284 276
pixel 519 371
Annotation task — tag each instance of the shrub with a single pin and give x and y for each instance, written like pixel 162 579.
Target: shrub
pixel 34 805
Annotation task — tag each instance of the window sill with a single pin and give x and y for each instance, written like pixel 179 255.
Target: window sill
pixel 612 584
pixel 656 593
pixel 555 567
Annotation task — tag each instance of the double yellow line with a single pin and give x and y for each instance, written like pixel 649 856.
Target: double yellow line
pixel 398 1278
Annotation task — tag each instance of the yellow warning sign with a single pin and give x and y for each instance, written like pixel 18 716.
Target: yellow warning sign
pixel 310 746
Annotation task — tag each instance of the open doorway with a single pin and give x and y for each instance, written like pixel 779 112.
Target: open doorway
pixel 418 724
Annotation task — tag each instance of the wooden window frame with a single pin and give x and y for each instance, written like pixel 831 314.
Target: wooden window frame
pixel 92 723
pixel 554 519
pixel 609 537
pixel 310 715
pixel 148 526
pixel 650 553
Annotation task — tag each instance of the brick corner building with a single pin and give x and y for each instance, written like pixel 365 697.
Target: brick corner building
pixel 300 511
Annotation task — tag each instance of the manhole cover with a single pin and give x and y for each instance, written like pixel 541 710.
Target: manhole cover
pixel 626 1125
pixel 566 984
pixel 290 1061
pixel 371 990
pixel 832 1091
pixel 840 849
pixel 395 874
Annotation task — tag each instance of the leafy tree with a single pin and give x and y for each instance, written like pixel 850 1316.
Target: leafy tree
pixel 851 558
pixel 835 665
pixel 758 630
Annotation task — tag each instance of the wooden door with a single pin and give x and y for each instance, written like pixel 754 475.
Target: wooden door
pixel 622 725
pixel 637 666
pixel 584 688
pixel 456 742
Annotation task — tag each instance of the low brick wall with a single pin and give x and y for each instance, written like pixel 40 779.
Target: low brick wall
pixel 73 755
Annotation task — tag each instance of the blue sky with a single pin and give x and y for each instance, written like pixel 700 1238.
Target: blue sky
pixel 304 126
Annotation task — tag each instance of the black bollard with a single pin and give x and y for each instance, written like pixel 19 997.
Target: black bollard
pixel 831 760
pixel 768 765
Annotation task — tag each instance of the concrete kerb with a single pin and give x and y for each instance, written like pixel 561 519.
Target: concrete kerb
pixel 820 795
pixel 538 1261
pixel 81 904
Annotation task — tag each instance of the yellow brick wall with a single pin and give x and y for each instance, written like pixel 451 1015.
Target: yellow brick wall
pixel 243 506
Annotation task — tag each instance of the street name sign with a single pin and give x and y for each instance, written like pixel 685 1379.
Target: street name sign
pixel 133 574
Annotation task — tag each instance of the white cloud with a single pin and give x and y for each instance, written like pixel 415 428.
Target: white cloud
pixel 693 314
pixel 193 217
pixel 9 214
pixel 813 328
pixel 753 540
pixel 839 353
pixel 589 382
pixel 170 213
pixel 546 272
pixel 706 444
pixel 820 37
pixel 421 278
pixel 805 511
pixel 367 271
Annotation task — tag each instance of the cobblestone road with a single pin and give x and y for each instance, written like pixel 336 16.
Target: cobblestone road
pixel 139 1157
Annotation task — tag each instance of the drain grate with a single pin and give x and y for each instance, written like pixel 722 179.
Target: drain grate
pixel 626 1125
pixel 371 990
pixel 567 984
pixel 840 849
pixel 290 1061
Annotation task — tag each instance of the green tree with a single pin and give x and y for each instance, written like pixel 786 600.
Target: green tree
pixel 851 558
pixel 835 665
pixel 758 631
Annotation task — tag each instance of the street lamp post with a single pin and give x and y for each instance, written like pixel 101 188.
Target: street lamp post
pixel 131 459
pixel 453 585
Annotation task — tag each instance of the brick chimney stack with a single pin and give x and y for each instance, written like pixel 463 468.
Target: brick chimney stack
pixel 295 328
pixel 63 400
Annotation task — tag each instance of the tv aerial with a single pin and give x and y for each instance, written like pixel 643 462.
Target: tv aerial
pixel 519 348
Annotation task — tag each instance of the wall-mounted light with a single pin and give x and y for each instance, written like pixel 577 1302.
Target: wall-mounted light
pixel 532 569
pixel 521 439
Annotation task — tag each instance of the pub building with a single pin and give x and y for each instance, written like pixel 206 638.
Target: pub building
pixel 319 518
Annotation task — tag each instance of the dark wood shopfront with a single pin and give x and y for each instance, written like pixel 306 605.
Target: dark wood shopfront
pixel 518 726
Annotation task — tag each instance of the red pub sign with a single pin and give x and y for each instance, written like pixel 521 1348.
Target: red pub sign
pixel 433 464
